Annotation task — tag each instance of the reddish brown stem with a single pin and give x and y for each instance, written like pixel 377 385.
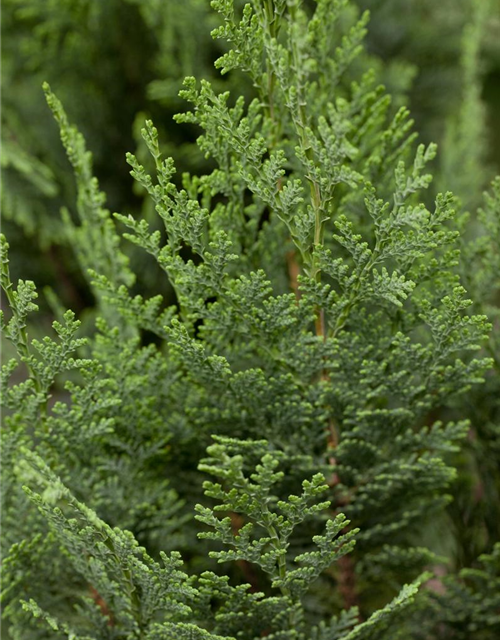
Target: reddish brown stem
pixel 347 582
pixel 101 603
pixel 347 576
pixel 293 272
pixel 246 567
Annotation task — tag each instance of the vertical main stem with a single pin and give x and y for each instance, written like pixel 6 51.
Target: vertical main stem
pixel 347 584
pixel 271 26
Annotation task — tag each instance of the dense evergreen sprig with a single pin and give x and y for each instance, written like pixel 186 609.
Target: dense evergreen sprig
pixel 322 336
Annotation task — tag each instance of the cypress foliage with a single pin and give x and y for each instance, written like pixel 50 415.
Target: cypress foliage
pixel 267 455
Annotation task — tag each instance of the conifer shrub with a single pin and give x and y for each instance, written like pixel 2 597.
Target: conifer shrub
pixel 273 452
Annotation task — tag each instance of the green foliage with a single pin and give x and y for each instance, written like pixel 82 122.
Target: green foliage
pixel 252 498
pixel 324 330
pixel 139 597
pixel 96 240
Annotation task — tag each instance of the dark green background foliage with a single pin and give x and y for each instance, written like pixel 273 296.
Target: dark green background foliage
pixel 273 408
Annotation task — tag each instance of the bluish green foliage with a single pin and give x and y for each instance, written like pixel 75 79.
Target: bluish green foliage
pixel 320 350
